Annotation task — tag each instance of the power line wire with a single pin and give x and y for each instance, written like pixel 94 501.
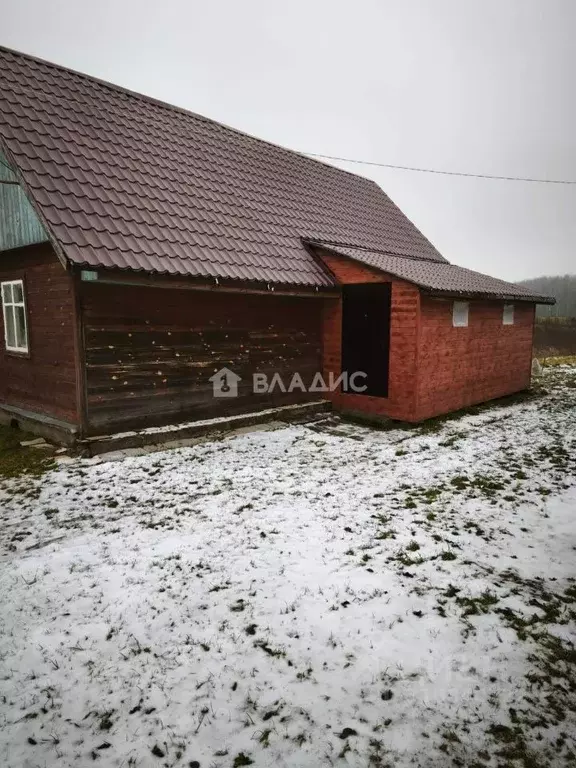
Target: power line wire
pixel 442 173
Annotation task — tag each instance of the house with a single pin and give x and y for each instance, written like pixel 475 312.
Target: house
pixel 145 248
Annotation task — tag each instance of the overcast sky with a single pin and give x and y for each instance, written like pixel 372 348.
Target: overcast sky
pixel 481 86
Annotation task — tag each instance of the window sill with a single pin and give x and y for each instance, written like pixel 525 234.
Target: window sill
pixel 14 353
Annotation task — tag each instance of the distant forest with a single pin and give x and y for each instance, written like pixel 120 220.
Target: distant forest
pixel 563 287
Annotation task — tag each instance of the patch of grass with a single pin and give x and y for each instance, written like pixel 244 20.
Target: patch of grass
pixel 106 721
pixel 452 440
pixel 460 482
pixel 554 362
pixel 474 606
pixel 436 424
pixel 264 737
pixel 277 652
pixel 385 534
pixel 16 460
pixel 405 559
pixel 241 759
pixel 513 746
pixel 430 495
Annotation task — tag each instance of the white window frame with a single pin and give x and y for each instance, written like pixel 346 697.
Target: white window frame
pixel 508 314
pixel 460 314
pixel 9 310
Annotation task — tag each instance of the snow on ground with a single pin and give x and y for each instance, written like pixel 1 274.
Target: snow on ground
pixel 321 595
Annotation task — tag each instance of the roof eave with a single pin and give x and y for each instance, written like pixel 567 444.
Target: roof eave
pixel 123 275
pixel 312 245
pixel 489 296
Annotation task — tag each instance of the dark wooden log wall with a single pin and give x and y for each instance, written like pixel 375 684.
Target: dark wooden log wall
pixel 151 351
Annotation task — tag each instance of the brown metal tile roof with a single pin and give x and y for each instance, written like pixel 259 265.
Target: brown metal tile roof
pixel 441 278
pixel 122 180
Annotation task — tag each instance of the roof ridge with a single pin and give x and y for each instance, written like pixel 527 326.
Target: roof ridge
pixel 174 107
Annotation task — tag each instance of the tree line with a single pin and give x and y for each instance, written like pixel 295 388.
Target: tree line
pixel 562 287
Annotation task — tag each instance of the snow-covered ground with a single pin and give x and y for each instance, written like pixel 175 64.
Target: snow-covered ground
pixel 304 596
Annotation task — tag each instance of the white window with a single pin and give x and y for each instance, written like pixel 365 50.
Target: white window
pixel 508 314
pixel 460 314
pixel 14 309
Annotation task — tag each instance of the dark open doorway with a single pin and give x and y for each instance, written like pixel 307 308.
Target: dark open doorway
pixel 366 335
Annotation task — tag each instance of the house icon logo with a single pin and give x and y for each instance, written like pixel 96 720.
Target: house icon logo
pixel 225 383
